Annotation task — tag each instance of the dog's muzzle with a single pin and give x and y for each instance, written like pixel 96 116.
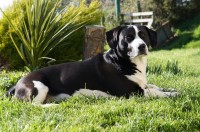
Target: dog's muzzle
pixel 142 49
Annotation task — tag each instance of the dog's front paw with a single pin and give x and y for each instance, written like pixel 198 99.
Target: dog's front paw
pixel 172 94
pixel 157 92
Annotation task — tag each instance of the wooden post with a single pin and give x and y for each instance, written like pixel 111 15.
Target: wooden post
pixel 94 41
pixel 139 9
pixel 117 8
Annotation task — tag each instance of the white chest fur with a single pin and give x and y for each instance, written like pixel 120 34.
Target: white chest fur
pixel 140 76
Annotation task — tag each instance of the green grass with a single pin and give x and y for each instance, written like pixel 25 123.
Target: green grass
pixel 179 69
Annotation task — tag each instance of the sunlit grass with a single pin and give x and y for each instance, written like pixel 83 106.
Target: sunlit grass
pixel 117 114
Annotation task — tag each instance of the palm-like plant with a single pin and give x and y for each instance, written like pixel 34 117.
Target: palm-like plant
pixel 43 27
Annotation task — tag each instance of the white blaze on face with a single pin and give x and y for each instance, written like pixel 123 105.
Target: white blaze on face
pixel 134 45
pixel 42 92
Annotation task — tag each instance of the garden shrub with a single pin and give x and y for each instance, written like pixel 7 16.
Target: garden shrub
pixel 7 49
pixel 72 48
pixel 85 15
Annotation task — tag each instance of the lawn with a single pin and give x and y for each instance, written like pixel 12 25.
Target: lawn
pixel 178 69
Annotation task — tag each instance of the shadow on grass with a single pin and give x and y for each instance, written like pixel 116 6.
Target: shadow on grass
pixel 188 32
pixel 178 42
pixel 190 23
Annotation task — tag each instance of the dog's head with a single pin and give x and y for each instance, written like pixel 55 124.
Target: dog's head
pixel 131 41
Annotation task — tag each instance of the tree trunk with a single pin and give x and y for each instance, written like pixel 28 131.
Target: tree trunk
pixel 94 41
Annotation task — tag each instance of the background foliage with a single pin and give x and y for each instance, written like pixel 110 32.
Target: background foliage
pixel 188 33
pixel 164 10
pixel 7 49
pixel 88 14
pixel 72 49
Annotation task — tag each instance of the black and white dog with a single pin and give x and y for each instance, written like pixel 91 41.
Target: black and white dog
pixel 119 72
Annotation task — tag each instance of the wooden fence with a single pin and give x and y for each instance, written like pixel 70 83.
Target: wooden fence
pixel 140 18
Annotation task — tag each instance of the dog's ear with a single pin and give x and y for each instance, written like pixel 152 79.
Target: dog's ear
pixel 152 37
pixel 113 35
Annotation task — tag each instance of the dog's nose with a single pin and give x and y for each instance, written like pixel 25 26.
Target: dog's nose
pixel 142 47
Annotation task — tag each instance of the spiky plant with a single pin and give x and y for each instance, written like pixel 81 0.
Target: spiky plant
pixel 42 27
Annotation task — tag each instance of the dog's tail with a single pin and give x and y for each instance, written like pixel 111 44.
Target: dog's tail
pixel 10 91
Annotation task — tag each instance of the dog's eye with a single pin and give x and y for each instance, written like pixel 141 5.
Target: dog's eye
pixel 141 34
pixel 129 38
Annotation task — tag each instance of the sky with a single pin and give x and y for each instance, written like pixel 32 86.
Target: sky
pixel 4 4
